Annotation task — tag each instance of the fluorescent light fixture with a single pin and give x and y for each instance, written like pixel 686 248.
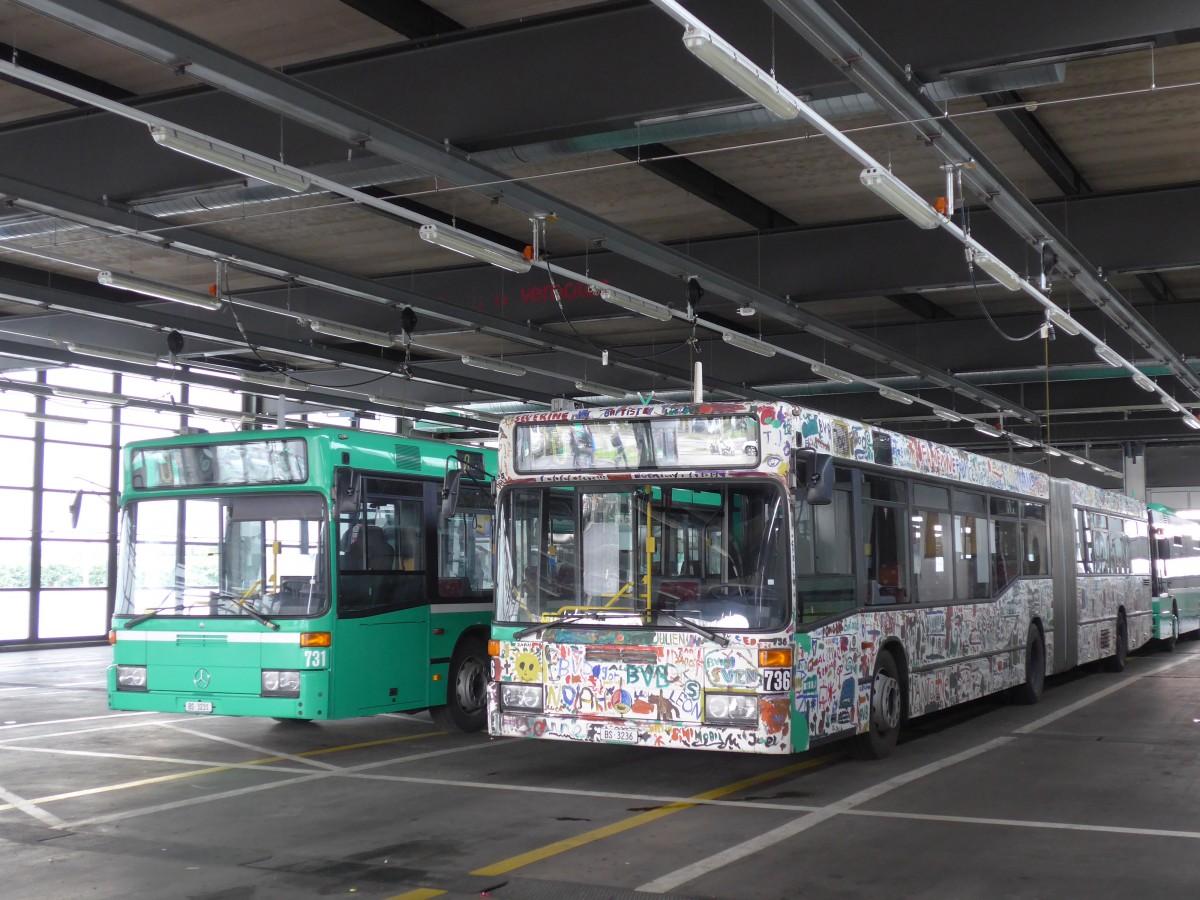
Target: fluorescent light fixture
pixel 1144 383
pixel 492 365
pixel 1078 461
pixel 157 289
pixel 476 248
pixel 1097 468
pixel 1168 401
pixel 947 415
pixel 392 401
pixel 740 72
pixel 601 390
pixel 1110 356
pixel 273 379
pixel 1191 422
pixel 895 396
pixel 1063 321
pixel 986 429
pixel 831 373
pixel 744 342
pixel 350 333
pixel 1050 451
pixel 130 356
pixel 227 158
pixel 1020 441
pixel 88 396
pixel 68 420
pixel 636 304
pixel 998 270
pixel 900 197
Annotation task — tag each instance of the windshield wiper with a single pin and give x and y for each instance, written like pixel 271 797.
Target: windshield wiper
pixel 241 603
pixel 693 627
pixel 542 626
pixel 138 620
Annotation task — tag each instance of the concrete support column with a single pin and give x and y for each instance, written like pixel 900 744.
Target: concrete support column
pixel 1134 460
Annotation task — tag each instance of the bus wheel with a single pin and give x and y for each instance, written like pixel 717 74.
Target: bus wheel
pixel 466 692
pixel 1168 643
pixel 886 708
pixel 1030 692
pixel 1116 662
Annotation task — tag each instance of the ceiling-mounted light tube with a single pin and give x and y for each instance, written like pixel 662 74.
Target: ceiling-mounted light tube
pixel 947 415
pixel 350 333
pixel 52 418
pixel 740 72
pixel 1063 321
pixel 1110 356
pixel 600 390
pixel 391 401
pixel 998 270
pixel 227 158
pixel 474 247
pixel 895 396
pixel 1050 451
pixel 1168 401
pixel 88 396
pixel 129 356
pixel 273 379
pixel 744 342
pixel 986 429
pixel 1144 383
pixel 1077 460
pixel 1191 421
pixel 1098 468
pixel 156 289
pixel 900 197
pixel 831 373
pixel 634 303
pixel 492 365
pixel 1020 441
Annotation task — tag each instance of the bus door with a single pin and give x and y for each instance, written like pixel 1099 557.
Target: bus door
pixel 382 637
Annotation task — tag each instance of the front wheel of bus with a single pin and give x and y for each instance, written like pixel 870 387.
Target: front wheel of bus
pixel 1168 643
pixel 886 710
pixel 1030 692
pixel 1116 662
pixel 466 692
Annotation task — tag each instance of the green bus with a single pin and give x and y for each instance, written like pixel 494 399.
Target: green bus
pixel 302 574
pixel 1175 575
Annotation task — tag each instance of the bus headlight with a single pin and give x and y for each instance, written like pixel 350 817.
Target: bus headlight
pixel 731 709
pixel 522 697
pixel 280 683
pixel 131 678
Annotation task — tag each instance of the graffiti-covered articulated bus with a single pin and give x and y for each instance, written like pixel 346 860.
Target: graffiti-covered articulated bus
pixel 302 574
pixel 762 578
pixel 1175 548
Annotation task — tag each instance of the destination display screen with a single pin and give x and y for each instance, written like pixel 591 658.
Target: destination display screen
pixel 220 465
pixel 588 445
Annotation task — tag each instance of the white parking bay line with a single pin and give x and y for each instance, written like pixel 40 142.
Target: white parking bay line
pixel 30 809
pixel 673 880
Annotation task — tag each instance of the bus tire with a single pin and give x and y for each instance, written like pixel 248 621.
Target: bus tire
pixel 466 689
pixel 1168 643
pixel 887 708
pixel 1030 691
pixel 1116 662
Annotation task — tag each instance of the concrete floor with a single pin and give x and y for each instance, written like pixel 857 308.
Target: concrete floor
pixel 1093 793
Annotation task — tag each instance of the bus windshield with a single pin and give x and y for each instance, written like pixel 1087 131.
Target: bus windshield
pixel 249 555
pixel 645 553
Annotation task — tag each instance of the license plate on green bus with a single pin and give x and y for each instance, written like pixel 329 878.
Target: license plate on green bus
pixel 197 706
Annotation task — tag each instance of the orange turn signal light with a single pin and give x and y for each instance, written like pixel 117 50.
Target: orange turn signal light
pixel 112 638
pixel 493 648
pixel 316 639
pixel 775 658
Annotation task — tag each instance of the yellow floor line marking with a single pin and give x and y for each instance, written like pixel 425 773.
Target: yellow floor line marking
pixel 142 782
pixel 596 834
pixel 418 894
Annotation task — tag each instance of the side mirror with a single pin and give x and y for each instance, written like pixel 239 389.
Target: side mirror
pixel 450 492
pixel 76 505
pixel 346 485
pixel 815 471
